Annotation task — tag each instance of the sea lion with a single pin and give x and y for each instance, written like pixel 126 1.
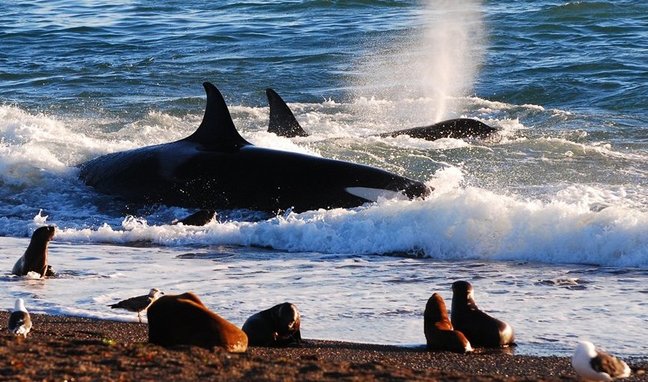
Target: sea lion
pixel 184 320
pixel 439 333
pixel 277 326
pixel 593 364
pixel 35 257
pixel 481 329
pixel 139 303
pixel 199 218
pixel 19 321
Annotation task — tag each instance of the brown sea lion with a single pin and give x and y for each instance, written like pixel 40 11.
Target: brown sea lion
pixel 184 320
pixel 439 333
pixel 481 329
pixel 277 326
pixel 35 257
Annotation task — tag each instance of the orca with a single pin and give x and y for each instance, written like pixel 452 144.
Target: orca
pixel 282 120
pixel 284 124
pixel 216 168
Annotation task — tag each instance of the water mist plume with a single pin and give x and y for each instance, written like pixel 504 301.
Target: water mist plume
pixel 424 71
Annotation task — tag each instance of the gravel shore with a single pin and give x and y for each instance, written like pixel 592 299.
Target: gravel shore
pixel 80 349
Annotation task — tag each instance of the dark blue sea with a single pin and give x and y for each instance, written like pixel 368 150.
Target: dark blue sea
pixel 549 221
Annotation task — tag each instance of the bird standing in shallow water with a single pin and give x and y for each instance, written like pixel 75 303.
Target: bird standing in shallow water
pixel 139 303
pixel 593 364
pixel 19 321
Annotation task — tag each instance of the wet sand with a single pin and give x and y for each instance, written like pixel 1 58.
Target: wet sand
pixel 81 349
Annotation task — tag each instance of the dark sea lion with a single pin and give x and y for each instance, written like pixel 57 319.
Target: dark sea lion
pixel 277 326
pixel 439 333
pixel 184 320
pixel 199 218
pixel 481 329
pixel 139 303
pixel 35 257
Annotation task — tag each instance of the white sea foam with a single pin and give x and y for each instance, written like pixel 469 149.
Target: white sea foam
pixel 454 223
pixel 567 223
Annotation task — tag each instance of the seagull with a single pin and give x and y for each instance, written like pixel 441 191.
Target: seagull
pixel 591 363
pixel 19 321
pixel 139 303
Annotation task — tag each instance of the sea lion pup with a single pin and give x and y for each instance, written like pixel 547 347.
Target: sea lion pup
pixel 592 364
pixel 184 320
pixel 439 333
pixel 277 326
pixel 35 257
pixel 481 329
pixel 19 321
pixel 199 218
pixel 139 303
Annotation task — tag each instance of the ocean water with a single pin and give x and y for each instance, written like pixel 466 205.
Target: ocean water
pixel 548 220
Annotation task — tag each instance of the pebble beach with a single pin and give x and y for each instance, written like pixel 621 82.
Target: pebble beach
pixel 81 349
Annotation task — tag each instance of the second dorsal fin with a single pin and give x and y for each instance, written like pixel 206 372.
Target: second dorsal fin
pixel 217 129
pixel 282 120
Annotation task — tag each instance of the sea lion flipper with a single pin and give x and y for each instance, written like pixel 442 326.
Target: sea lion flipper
pixel 19 268
pixel 298 338
pixel 49 272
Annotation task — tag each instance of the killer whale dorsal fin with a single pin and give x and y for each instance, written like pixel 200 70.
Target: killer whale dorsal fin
pixel 217 129
pixel 282 120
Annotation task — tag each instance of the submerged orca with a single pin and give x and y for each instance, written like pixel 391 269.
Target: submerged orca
pixel 284 124
pixel 215 168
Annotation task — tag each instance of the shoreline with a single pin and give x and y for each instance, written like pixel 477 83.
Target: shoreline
pixel 68 347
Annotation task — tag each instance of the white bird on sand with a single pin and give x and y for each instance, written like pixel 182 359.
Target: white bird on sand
pixel 139 303
pixel 591 363
pixel 19 321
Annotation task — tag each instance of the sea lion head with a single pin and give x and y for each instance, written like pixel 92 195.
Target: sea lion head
pixel 45 233
pixel 287 319
pixel 435 310
pixel 462 291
